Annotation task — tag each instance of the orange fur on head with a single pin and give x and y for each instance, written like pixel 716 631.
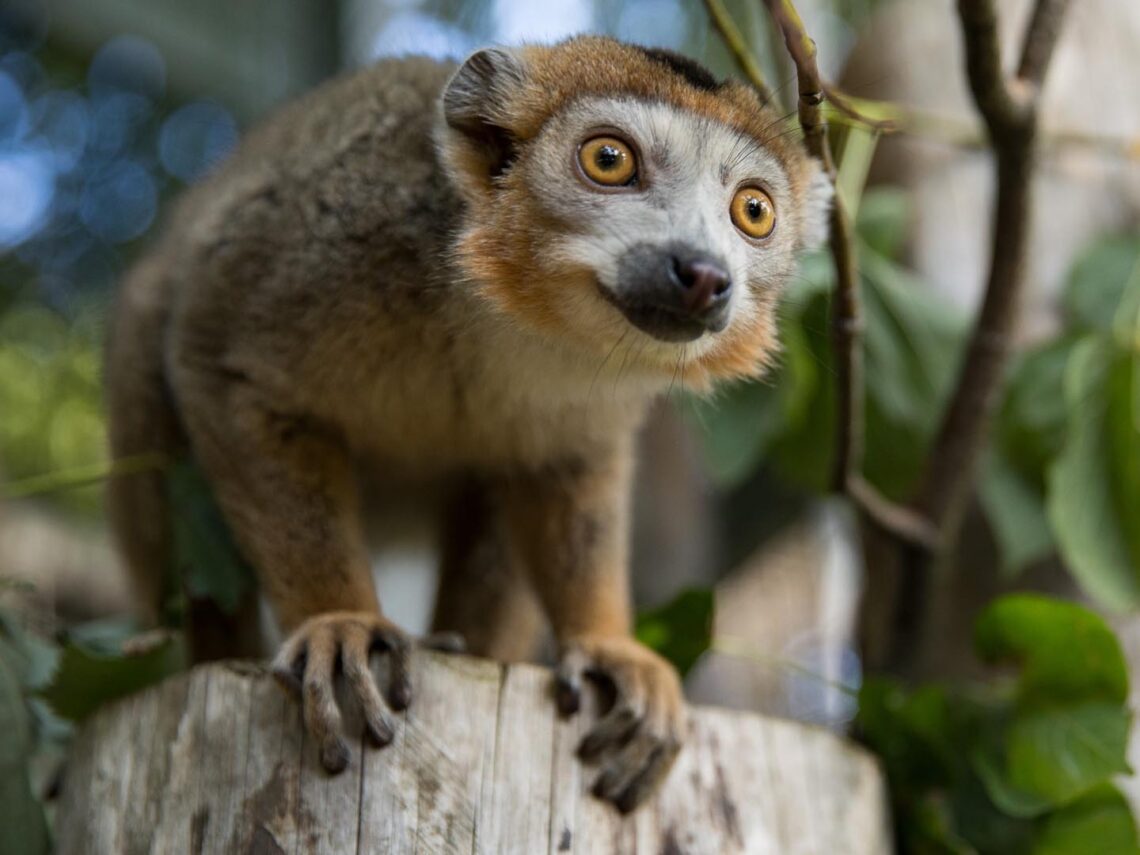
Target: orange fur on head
pixel 503 248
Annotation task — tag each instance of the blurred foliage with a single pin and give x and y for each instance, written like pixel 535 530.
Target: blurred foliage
pixel 1012 767
pixel 45 685
pixel 102 661
pixel 25 667
pixel 1063 470
pixel 205 561
pixel 50 395
pixel 680 630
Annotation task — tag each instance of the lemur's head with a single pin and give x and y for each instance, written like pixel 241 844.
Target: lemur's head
pixel 616 190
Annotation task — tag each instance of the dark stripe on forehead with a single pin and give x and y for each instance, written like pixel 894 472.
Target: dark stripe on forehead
pixel 695 74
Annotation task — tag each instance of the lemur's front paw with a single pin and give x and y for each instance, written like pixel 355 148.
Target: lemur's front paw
pixel 310 658
pixel 639 736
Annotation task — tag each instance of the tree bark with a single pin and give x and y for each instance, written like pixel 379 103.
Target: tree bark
pixel 216 761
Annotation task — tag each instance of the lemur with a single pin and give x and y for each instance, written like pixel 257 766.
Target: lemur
pixel 475 279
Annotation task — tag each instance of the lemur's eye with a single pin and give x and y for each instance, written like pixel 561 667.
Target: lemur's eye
pixel 608 161
pixel 753 212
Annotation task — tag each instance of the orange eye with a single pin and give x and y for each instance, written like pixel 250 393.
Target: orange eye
pixel 753 212
pixel 608 161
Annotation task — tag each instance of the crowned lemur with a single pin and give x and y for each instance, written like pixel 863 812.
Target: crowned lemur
pixel 474 278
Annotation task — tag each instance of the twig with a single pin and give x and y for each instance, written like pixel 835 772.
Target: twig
pixel 1040 39
pixel 734 40
pixel 846 324
pixel 900 522
pixel 1009 109
pixel 847 106
pixel 82 476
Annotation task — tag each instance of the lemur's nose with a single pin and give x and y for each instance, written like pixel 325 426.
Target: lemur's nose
pixel 705 283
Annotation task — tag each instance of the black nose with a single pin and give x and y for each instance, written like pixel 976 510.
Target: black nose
pixel 705 283
pixel 672 292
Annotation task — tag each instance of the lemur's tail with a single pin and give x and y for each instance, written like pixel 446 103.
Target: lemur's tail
pixel 145 435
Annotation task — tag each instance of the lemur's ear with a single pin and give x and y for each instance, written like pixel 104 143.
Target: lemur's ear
pixel 476 103
pixel 816 207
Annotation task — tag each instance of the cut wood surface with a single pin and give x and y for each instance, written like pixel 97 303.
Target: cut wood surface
pixel 216 761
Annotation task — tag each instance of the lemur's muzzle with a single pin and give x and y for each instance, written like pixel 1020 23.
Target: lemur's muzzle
pixel 672 292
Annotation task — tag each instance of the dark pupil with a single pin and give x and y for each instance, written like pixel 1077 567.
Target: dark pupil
pixel 755 208
pixel 607 157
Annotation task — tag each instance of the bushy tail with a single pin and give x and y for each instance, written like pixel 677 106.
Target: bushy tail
pixel 144 433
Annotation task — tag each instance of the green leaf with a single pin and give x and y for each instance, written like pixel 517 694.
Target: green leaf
pixel 88 677
pixel 735 428
pixel 1009 799
pixel 1016 514
pixel 1063 752
pixel 912 346
pixel 1097 282
pixel 1031 424
pixel 884 216
pixel 1067 652
pixel 21 816
pixel 206 559
pixel 1123 428
pixel 1102 815
pixel 680 630
pixel 1089 525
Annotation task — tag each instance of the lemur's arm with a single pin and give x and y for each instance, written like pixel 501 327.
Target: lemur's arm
pixel 570 522
pixel 290 497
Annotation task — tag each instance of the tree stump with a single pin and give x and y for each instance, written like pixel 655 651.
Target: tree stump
pixel 216 761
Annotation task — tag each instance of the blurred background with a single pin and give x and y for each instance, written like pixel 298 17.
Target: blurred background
pixel 108 108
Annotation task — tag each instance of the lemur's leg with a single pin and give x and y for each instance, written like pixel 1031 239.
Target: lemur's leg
pixel 571 524
pixel 484 594
pixel 289 494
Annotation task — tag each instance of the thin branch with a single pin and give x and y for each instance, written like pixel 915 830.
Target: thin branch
pixel 734 41
pixel 810 84
pixel 846 105
pixel 1012 125
pixel 994 98
pixel 81 476
pixel 846 323
pixel 846 316
pixel 900 522
pixel 1040 40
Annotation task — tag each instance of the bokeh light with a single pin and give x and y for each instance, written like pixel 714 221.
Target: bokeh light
pixel 27 183
pixel 128 64
pixel 418 33
pixel 655 23
pixel 540 22
pixel 195 138
pixel 83 168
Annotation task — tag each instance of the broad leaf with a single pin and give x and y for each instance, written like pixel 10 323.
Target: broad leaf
pixel 88 678
pixel 24 828
pixel 1090 526
pixel 1015 510
pixel 1123 441
pixel 1031 424
pixel 1066 652
pixel 1102 816
pixel 206 559
pixel 1098 280
pixel 680 630
pixel 1061 753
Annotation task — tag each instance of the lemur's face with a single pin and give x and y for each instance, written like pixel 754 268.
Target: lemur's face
pixel 664 221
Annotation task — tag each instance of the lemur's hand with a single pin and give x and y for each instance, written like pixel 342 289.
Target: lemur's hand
pixel 310 658
pixel 639 735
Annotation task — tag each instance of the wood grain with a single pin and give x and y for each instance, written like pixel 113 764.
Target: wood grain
pixel 216 761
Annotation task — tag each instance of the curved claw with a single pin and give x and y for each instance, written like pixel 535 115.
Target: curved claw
pixel 639 736
pixel 307 665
